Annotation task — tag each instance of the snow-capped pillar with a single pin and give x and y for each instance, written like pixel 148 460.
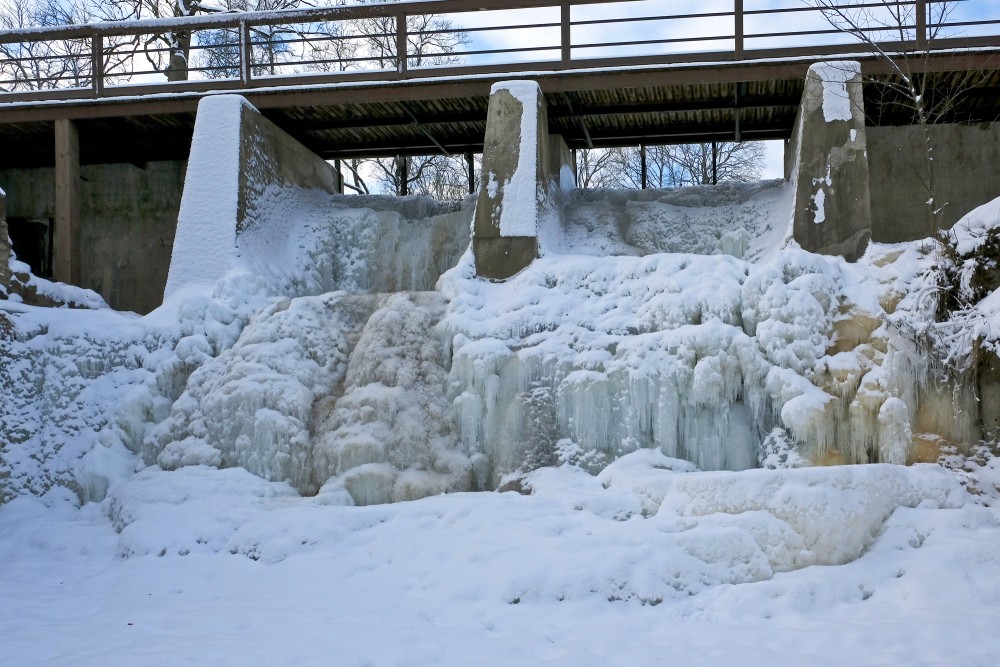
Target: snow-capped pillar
pixel 515 178
pixel 829 167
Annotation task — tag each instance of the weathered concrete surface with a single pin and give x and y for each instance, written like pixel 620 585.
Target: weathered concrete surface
pixel 127 220
pixel 966 160
pixel 4 246
pixel 269 156
pixel 987 369
pixel 514 170
pixel 832 213
pixel 66 234
pixel 240 163
pixel 561 162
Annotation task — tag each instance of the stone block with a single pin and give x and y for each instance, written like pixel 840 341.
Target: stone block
pixel 966 158
pixel 561 163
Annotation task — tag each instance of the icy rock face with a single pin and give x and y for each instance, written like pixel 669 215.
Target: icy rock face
pixel 251 406
pixel 351 387
pixel 699 357
pixel 389 434
pixel 738 219
pixel 76 400
pixel 322 243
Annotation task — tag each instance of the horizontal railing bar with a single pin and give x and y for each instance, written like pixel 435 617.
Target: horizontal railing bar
pixel 815 9
pixel 641 42
pixel 666 17
pixel 487 28
pixel 308 15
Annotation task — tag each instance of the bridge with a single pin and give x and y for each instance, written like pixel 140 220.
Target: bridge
pixel 414 77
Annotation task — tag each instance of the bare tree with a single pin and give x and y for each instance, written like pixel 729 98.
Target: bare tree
pixel 592 168
pixel 717 162
pixel 670 166
pixel 36 65
pixel 444 177
pixel 912 29
pixel 430 40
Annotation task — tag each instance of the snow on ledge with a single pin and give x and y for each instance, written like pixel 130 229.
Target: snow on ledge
pixel 835 76
pixel 205 243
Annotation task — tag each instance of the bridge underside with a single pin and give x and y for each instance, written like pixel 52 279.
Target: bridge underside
pixel 744 101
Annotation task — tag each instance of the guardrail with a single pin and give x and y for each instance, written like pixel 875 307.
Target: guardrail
pixel 437 38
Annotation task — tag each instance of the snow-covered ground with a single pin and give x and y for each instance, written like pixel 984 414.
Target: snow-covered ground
pixel 194 486
pixel 220 568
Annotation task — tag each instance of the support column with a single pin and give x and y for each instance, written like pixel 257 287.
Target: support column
pixel 832 213
pixel 514 180
pixel 4 246
pixel 66 246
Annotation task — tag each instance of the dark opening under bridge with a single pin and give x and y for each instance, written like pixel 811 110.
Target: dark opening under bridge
pixel 612 72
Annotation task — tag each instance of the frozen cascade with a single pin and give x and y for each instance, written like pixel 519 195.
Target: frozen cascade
pixel 349 387
pixel 83 398
pixel 389 433
pixel 699 357
pixel 297 367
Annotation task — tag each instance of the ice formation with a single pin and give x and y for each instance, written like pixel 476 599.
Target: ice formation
pixel 324 359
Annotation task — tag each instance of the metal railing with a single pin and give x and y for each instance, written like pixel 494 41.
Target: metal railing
pixel 439 38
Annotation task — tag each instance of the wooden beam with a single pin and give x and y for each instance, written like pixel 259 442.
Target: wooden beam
pixel 66 246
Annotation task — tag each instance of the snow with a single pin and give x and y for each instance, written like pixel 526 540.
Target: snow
pixel 205 245
pixel 835 76
pixel 277 466
pixel 559 577
pixel 819 199
pixel 971 230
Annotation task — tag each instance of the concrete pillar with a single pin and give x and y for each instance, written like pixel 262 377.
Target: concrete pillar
pixel 832 213
pixel 66 244
pixel 516 171
pixel 4 246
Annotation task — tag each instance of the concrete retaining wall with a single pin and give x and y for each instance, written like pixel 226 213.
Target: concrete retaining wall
pixel 239 163
pixel 127 220
pixel 4 245
pixel 966 160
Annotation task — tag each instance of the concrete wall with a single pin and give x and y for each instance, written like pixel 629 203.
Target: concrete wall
pixel 240 166
pixel 4 245
pixel 966 161
pixel 127 217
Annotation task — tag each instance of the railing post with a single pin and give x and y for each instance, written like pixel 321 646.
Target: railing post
pixel 565 39
pixel 921 28
pixel 246 54
pixel 401 49
pixel 738 28
pixel 97 64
